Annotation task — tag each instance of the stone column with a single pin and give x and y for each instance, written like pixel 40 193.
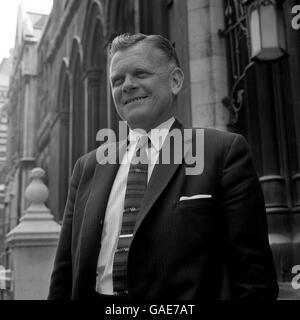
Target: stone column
pixel 208 63
pixel 33 243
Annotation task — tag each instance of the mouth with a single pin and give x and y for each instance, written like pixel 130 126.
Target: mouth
pixel 136 99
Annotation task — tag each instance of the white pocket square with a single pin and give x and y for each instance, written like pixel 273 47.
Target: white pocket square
pixel 197 196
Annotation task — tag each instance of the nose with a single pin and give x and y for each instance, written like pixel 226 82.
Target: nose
pixel 129 84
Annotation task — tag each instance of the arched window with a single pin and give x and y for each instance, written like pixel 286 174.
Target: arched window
pixel 78 115
pixel 63 110
pixel 95 72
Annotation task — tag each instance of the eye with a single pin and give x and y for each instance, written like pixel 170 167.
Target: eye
pixel 142 74
pixel 117 82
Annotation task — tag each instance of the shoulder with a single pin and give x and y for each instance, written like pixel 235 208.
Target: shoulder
pixel 221 145
pixel 220 139
pixel 89 160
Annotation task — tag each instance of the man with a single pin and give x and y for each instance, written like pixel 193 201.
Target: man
pixel 189 236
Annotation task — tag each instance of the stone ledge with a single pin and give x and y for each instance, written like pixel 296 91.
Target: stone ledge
pixel 286 292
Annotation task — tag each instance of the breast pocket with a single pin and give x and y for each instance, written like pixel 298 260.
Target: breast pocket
pixel 198 220
pixel 205 203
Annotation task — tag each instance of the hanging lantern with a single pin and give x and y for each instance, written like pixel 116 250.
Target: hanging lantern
pixel 266 31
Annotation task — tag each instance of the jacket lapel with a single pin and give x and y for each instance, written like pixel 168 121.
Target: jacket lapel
pixel 94 212
pixel 102 183
pixel 160 178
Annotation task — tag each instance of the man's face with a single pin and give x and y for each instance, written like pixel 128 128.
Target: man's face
pixel 142 86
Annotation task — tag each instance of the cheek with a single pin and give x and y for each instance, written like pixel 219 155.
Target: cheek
pixel 116 97
pixel 115 94
pixel 163 95
pixel 162 89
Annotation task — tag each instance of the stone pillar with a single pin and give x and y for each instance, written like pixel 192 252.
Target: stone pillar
pixel 208 63
pixel 33 243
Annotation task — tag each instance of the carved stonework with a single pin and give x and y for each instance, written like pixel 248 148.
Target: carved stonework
pixel 33 243
pixel 37 225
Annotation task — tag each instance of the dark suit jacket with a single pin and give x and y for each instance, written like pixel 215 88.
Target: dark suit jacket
pixel 180 249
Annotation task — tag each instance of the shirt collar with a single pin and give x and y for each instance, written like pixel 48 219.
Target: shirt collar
pixel 156 135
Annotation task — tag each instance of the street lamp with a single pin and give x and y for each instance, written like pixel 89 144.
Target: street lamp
pixel 266 30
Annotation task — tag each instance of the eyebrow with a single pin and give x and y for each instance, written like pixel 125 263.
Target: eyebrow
pixel 141 69
pixel 114 76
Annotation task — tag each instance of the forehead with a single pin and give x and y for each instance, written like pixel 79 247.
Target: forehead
pixel 139 55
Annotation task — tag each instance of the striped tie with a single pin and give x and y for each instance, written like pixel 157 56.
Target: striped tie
pixel 135 190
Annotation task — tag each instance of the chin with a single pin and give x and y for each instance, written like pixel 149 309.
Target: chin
pixel 140 120
pixel 137 125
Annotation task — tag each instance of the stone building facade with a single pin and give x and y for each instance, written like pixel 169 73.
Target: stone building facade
pixel 5 68
pixel 21 110
pixel 73 63
pixel 71 98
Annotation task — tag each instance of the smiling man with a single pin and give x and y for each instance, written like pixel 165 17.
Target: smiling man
pixel 147 230
pixel 144 81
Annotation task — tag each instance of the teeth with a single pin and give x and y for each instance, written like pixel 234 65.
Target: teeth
pixel 135 99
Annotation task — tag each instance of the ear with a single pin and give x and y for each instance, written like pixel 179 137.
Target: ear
pixel 176 78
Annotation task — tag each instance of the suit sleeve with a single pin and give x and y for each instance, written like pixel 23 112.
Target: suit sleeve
pixel 61 278
pixel 248 255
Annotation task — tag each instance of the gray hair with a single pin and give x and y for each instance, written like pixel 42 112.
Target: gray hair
pixel 127 40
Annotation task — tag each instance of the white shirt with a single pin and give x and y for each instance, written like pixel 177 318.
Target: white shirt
pixel 115 204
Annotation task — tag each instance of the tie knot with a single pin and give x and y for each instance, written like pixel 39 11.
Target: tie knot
pixel 140 156
pixel 143 142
